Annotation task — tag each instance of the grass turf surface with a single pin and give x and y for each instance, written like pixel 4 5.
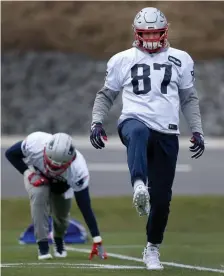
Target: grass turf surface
pixel 194 236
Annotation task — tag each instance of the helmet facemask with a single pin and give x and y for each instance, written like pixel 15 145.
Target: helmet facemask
pixel 151 45
pixel 55 168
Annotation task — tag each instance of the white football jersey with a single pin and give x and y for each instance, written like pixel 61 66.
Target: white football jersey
pixel 150 84
pixel 33 148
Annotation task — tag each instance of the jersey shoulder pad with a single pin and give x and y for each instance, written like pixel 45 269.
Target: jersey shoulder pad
pixel 34 142
pixel 121 57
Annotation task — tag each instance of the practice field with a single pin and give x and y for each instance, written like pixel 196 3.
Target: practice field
pixel 193 245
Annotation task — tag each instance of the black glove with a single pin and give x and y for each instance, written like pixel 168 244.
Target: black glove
pixel 58 187
pixel 96 134
pixel 198 145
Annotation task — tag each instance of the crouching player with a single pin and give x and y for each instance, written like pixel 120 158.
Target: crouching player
pixel 54 170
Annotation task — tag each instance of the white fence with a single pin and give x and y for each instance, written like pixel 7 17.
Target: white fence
pixel 114 142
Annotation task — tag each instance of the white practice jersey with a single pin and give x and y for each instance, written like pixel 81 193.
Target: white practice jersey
pixel 33 148
pixel 150 85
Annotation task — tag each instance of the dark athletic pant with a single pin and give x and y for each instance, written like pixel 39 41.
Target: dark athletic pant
pixel 152 157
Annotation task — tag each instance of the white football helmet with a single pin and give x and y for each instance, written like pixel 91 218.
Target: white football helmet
pixel 150 20
pixel 59 153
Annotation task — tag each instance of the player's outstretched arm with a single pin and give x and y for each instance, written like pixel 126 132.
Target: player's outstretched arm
pixel 84 203
pixel 104 101
pixel 102 105
pixel 190 107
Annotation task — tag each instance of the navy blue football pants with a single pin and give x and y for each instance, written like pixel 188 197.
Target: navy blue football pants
pixel 152 157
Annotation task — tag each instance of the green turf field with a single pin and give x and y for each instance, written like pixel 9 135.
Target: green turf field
pixel 195 236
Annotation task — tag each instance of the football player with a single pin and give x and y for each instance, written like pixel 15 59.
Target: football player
pixel 156 80
pixel 53 171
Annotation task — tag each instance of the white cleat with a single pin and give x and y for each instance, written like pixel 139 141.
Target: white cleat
pixel 59 248
pixel 141 200
pixel 151 258
pixel 45 257
pixel 63 254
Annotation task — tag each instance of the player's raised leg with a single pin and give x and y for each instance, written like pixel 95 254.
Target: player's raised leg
pixel 162 158
pixel 135 135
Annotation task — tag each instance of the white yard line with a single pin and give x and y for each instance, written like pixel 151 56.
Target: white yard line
pixel 103 266
pixel 124 257
pixel 69 265
pixel 123 167
pixel 122 246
